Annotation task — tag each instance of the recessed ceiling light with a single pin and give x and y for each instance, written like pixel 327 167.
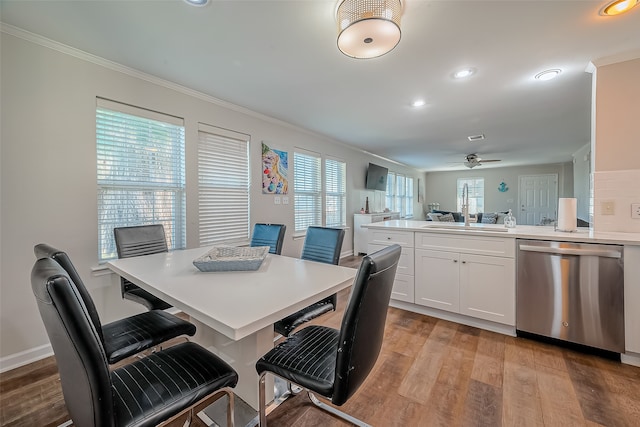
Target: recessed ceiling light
pixel 548 74
pixel 466 72
pixel 198 3
pixel 418 103
pixel 617 7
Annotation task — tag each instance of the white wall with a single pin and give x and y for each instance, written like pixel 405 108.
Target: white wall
pixel 616 145
pixel 48 171
pixel 441 187
pixel 582 181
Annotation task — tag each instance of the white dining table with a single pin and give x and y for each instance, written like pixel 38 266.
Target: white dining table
pixel 234 311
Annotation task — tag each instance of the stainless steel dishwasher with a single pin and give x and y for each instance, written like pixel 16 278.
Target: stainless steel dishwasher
pixel 572 292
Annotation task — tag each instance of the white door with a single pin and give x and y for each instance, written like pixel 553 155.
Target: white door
pixel 537 198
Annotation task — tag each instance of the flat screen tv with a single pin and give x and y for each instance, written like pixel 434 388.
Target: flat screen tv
pixel 377 177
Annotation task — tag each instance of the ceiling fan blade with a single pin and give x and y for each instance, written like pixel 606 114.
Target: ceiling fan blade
pixel 487 161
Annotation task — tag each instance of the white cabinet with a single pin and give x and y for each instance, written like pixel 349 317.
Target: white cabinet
pixel 404 281
pixel 452 273
pixel 438 279
pixel 360 237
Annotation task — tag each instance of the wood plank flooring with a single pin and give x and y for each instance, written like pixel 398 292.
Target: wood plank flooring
pixel 430 372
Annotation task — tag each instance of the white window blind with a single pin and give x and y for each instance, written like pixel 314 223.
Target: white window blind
pixel 335 193
pixel 399 197
pixel 308 190
pixel 140 173
pixel 223 186
pixel 476 194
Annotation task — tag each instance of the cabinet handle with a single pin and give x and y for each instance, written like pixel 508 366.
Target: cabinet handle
pixel 455 260
pixel 464 262
pixel 388 238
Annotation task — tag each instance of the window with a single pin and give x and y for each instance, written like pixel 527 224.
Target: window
pixel 476 194
pixel 308 192
pixel 223 186
pixel 399 196
pixel 335 172
pixel 141 173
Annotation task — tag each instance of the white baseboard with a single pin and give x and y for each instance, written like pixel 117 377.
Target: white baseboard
pixel 25 357
pixel 630 358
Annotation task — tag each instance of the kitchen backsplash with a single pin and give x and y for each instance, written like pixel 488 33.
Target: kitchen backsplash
pixel 619 189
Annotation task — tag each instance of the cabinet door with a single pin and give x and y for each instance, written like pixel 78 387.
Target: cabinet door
pixel 437 279
pixel 487 288
pixel 403 283
pixel 402 288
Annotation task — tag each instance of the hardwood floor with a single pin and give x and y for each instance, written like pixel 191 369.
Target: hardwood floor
pixel 430 372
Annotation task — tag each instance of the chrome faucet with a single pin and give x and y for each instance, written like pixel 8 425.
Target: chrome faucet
pixel 465 204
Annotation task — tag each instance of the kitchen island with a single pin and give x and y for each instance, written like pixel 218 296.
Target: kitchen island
pixel 467 274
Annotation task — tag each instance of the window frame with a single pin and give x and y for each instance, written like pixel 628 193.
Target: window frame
pixel 399 194
pixel 476 192
pixel 133 138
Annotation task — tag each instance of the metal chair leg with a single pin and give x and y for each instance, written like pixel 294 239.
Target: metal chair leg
pixel 262 395
pixel 336 412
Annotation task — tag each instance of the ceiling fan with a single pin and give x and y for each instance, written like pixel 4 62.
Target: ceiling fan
pixel 473 160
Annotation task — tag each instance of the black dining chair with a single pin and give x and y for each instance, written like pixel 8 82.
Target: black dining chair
pixel 322 244
pixel 334 363
pixel 124 337
pixel 271 235
pixel 145 392
pixel 136 241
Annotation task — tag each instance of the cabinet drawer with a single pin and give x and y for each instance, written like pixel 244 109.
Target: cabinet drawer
pixel 405 264
pixel 386 238
pixel 481 245
pixel 402 288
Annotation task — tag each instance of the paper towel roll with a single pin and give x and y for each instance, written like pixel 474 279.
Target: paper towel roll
pixel 567 214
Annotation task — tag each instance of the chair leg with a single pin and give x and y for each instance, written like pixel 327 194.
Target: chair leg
pixel 336 412
pixel 230 409
pixel 262 396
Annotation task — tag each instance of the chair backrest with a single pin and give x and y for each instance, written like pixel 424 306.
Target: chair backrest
pixel 271 235
pixel 362 328
pixel 140 240
pixel 81 359
pixel 323 244
pixel 43 250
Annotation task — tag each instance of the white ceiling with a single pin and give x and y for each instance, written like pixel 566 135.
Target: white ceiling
pixel 279 58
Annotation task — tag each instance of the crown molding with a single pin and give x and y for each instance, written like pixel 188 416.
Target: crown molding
pixel 80 54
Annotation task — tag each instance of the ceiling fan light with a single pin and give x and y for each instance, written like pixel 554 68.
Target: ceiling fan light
pixel 368 28
pixel 617 7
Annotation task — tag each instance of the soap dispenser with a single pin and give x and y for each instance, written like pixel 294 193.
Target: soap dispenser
pixel 510 220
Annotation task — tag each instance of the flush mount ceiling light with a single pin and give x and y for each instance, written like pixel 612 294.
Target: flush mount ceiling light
pixel 617 7
pixel 547 74
pixel 198 3
pixel 418 103
pixel 465 72
pixel 368 28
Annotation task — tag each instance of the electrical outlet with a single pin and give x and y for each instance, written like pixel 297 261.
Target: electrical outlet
pixel 635 210
pixel 606 208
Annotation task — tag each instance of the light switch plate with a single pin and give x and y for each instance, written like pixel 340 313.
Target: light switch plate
pixel 276 200
pixel 285 200
pixel 606 208
pixel 635 210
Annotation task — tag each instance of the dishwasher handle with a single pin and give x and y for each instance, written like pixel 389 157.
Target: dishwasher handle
pixel 607 253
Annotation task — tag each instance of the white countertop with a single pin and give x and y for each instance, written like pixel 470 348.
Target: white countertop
pixel 520 232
